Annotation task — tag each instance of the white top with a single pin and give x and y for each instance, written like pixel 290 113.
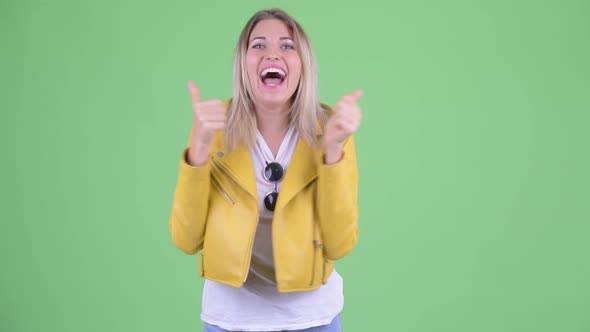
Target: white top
pixel 258 305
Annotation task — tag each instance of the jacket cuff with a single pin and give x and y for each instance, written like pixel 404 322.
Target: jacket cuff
pixel 192 173
pixel 335 172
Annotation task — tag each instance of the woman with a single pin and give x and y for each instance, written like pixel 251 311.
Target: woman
pixel 267 188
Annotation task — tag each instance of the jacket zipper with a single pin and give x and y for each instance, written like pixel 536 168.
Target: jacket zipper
pixel 202 264
pixel 324 272
pixel 224 170
pixel 222 190
pixel 316 245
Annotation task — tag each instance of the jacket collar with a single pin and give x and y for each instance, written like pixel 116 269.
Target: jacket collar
pixel 302 169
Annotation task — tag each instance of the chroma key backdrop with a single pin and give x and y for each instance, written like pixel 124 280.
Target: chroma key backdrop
pixel 474 159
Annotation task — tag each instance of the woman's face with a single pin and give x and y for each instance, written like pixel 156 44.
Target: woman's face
pixel 272 63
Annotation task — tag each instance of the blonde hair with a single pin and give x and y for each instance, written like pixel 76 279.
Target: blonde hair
pixel 306 113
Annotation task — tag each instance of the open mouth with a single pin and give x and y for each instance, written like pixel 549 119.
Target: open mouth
pixel 273 76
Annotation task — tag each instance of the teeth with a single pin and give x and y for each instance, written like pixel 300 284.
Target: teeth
pixel 273 70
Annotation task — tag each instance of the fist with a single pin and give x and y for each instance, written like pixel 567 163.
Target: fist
pixel 344 121
pixel 208 116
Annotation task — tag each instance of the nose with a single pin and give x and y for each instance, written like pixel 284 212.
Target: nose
pixel 272 54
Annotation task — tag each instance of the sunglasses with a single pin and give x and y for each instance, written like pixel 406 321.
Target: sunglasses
pixel 273 172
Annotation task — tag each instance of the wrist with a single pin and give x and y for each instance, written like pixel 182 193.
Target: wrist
pixel 333 147
pixel 198 154
pixel 333 154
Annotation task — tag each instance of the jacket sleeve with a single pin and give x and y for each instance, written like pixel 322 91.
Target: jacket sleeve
pixel 190 205
pixel 338 203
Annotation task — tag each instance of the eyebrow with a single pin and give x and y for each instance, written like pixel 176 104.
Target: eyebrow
pixel 264 38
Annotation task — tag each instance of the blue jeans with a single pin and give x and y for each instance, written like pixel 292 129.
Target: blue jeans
pixel 334 326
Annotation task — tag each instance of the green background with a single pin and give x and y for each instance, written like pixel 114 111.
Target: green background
pixel 473 158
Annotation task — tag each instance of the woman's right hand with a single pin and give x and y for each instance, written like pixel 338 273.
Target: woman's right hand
pixel 208 117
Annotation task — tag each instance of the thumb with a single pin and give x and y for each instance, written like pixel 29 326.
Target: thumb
pixel 195 93
pixel 357 95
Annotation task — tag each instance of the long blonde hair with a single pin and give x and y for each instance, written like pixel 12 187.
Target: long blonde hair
pixel 306 113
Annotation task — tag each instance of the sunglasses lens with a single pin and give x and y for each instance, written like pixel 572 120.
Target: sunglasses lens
pixel 270 201
pixel 273 172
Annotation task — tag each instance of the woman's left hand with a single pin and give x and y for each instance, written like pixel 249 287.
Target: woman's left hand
pixel 343 122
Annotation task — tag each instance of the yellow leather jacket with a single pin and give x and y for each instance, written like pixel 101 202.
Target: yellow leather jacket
pixel 315 221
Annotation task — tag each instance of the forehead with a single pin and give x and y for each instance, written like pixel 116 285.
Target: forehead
pixel 271 28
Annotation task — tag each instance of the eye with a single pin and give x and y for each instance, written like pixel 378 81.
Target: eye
pixel 258 46
pixel 288 47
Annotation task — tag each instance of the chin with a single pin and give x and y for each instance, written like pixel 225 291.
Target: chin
pixel 272 97
pixel 273 101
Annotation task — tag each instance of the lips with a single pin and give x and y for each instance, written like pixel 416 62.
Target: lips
pixel 273 76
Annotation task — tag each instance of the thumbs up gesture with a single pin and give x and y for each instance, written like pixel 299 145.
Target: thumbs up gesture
pixel 208 117
pixel 343 122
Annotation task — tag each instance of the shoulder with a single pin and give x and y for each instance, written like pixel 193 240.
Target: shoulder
pixel 326 108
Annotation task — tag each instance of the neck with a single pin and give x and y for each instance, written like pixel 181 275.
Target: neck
pixel 272 120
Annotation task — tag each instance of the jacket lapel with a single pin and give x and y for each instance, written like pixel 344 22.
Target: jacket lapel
pixel 237 164
pixel 302 169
